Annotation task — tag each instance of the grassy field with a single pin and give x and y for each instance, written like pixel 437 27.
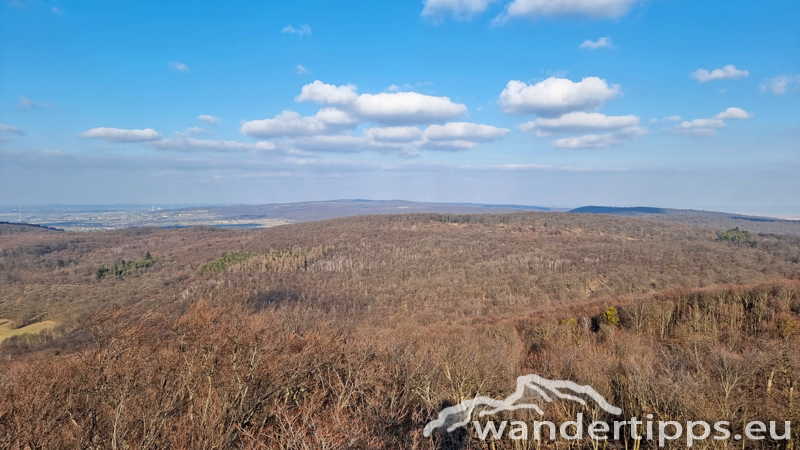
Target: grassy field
pixel 6 331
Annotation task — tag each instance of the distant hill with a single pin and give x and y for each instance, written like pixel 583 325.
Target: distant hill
pixel 710 219
pixel 311 211
pixel 618 211
pixel 14 228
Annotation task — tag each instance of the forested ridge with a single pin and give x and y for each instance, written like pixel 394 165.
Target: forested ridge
pixel 350 333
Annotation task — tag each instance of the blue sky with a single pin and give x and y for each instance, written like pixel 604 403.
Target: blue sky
pixel 670 103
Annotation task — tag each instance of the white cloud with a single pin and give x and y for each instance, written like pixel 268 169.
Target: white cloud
pixel 336 117
pixel 290 123
pixel 11 129
pixel 393 134
pixel 400 108
pixel 600 140
pixel 734 113
pixel 25 102
pixel 188 143
pixel 122 135
pixel 673 119
pixel 464 131
pixel 781 84
pixel 459 9
pixel 179 66
pixel 702 123
pixel 405 140
pixel 699 127
pixel 209 120
pixel 320 92
pixel 556 96
pixel 597 9
pixel 653 120
pixel 603 42
pixel 576 122
pixel 707 127
pixel 728 72
pixel 301 70
pixel 193 131
pixel 407 107
pixel 302 30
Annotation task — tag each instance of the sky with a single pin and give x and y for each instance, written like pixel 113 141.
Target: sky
pixel 559 103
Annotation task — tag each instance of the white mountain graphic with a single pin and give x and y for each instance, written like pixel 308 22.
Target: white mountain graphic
pixel 460 415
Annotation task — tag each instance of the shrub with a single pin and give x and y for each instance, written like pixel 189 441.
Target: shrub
pixel 611 316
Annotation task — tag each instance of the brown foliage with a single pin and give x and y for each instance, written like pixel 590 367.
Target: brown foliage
pixel 352 333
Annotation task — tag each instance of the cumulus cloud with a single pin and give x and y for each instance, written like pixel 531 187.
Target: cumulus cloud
pixel 459 9
pixel 407 107
pixel 603 42
pixel 728 72
pixel 320 92
pixel 464 131
pixel 600 140
pixel 556 96
pixel 707 127
pixel 596 9
pixel 734 113
pixel 577 122
pixel 185 143
pixel 290 123
pixel 209 120
pixel 11 129
pixel 121 135
pixel 301 70
pixel 302 30
pixel 398 108
pixel 179 66
pixel 781 84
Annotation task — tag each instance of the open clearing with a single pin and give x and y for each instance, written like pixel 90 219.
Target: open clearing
pixel 6 331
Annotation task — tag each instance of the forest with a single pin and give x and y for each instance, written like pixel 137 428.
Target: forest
pixel 353 333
